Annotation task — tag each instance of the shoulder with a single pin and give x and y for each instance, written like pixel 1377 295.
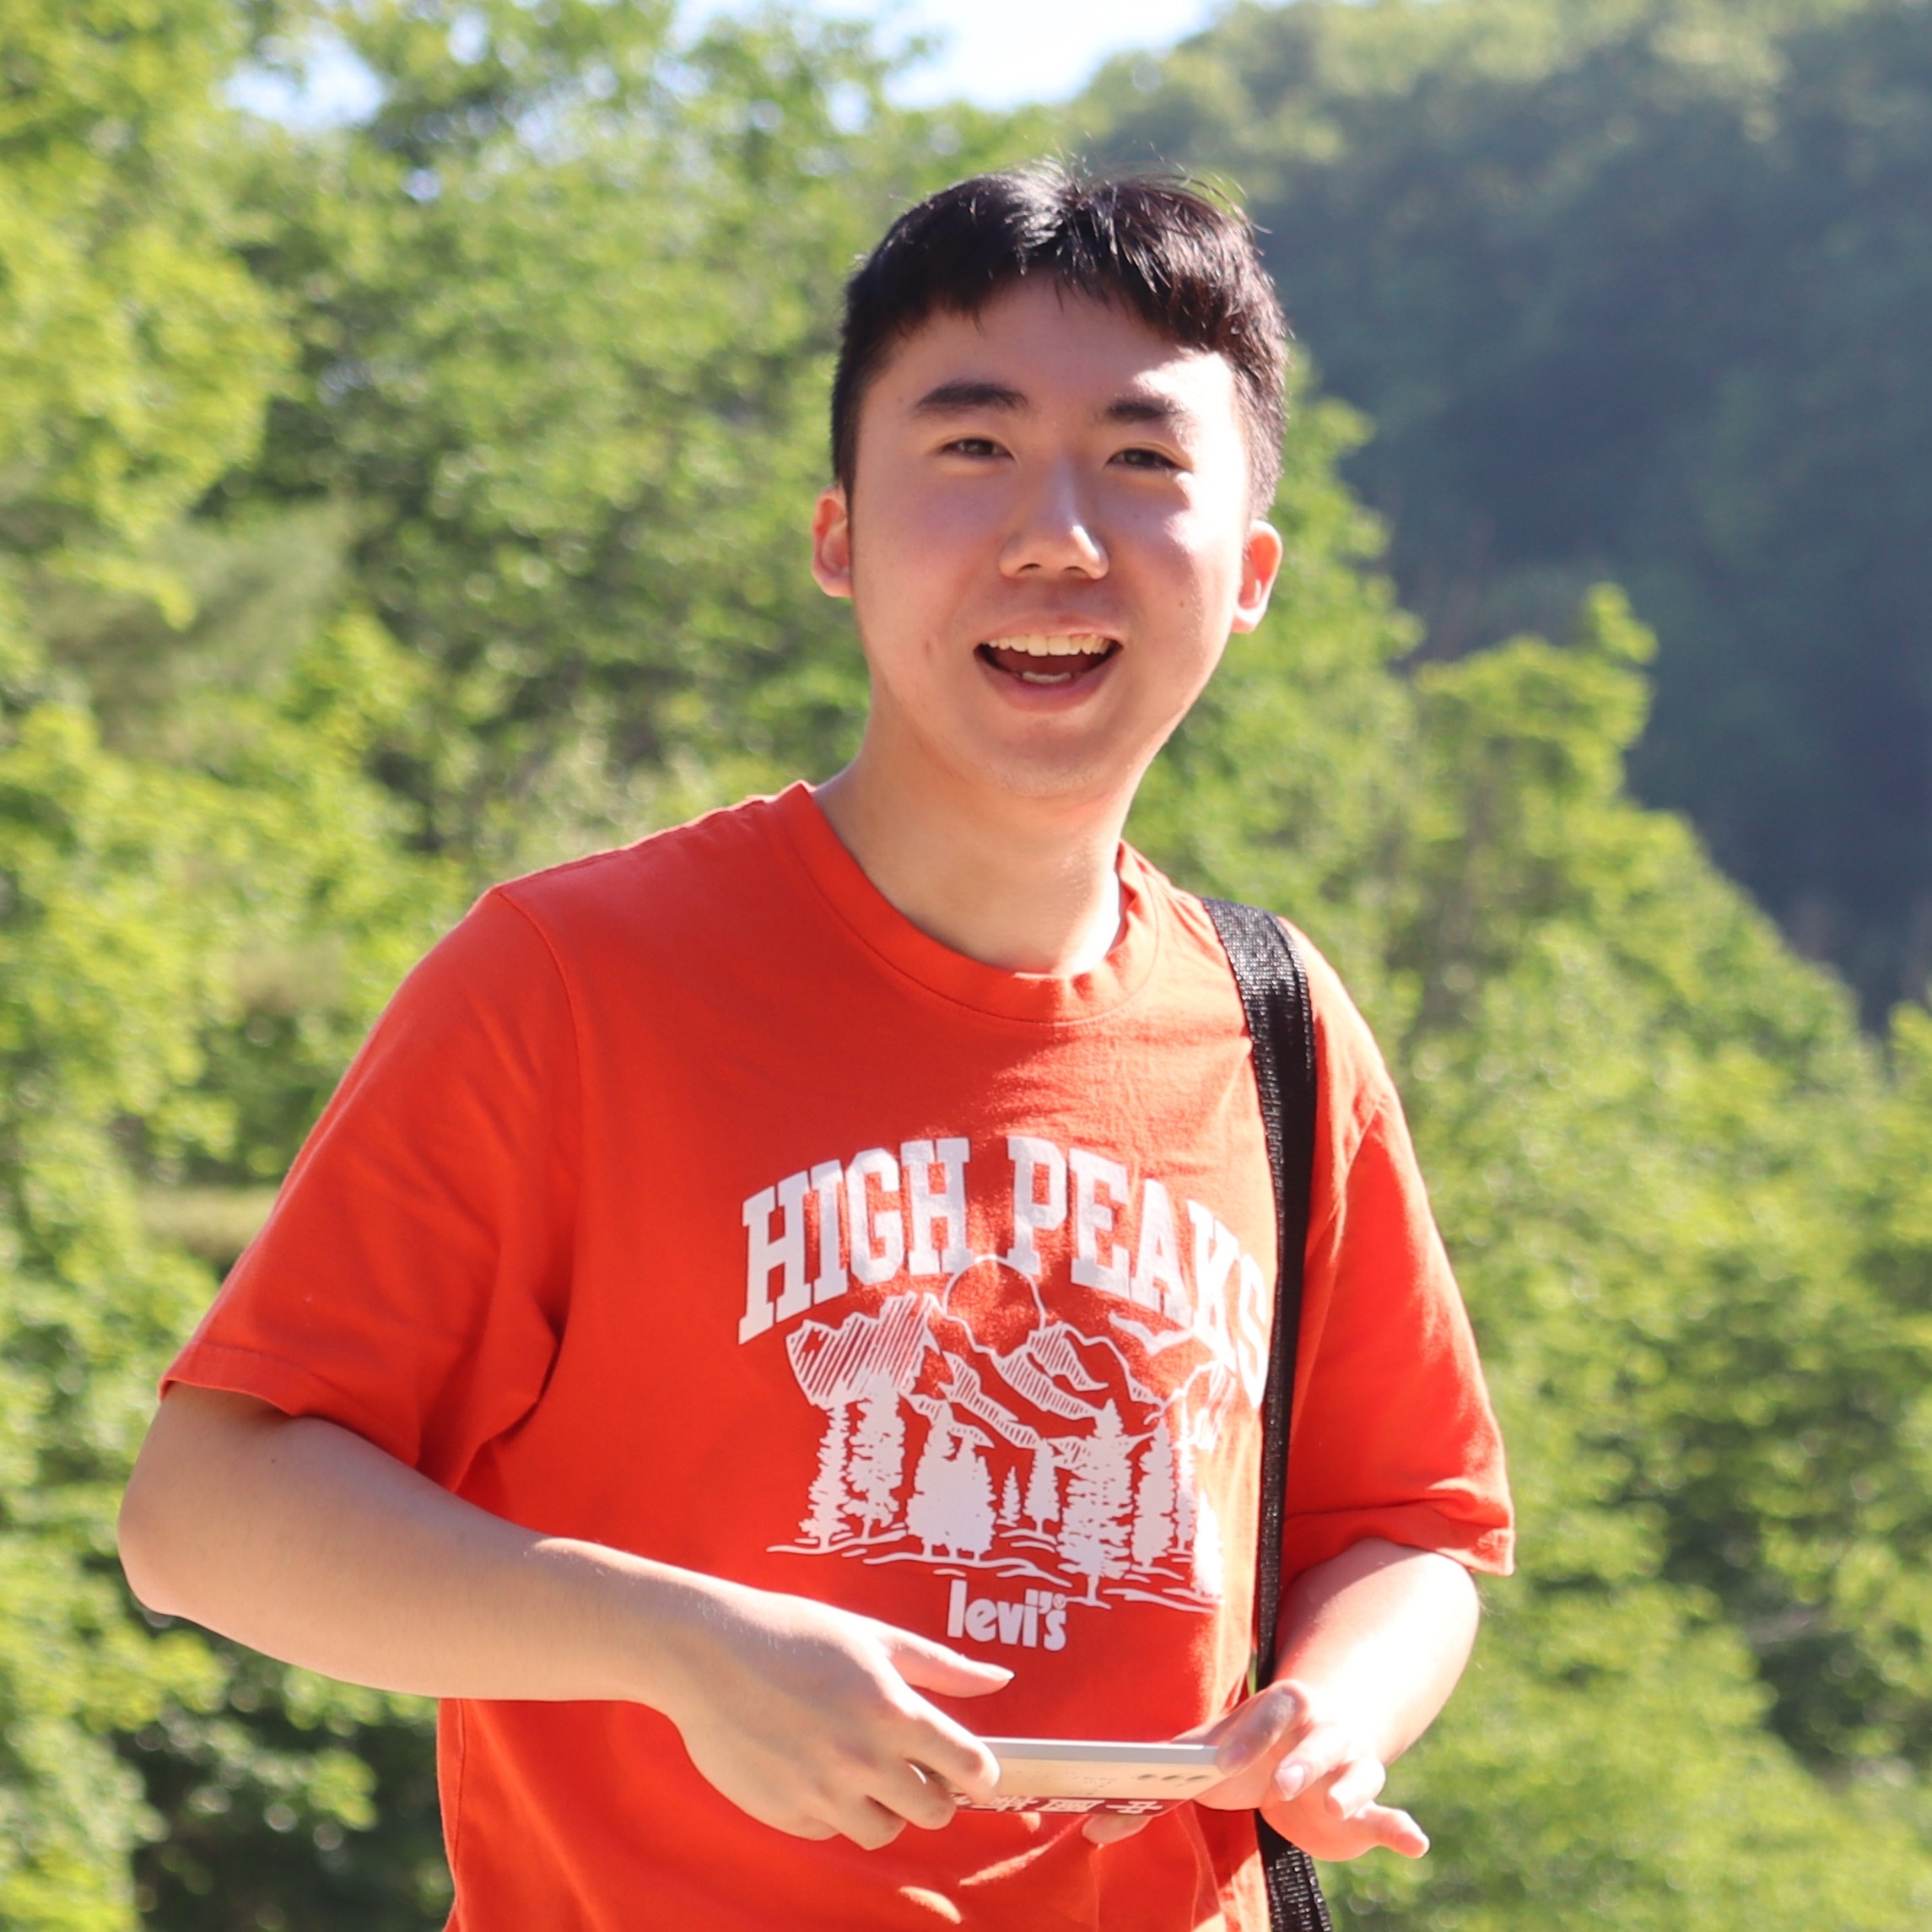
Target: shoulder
pixel 655 890
pixel 1355 1079
pixel 526 947
pixel 1365 1164
pixel 1355 1086
pixel 1355 1094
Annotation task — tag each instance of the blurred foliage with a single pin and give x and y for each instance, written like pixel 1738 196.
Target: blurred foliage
pixel 470 535
pixel 134 346
pixel 1651 1135
pixel 565 309
pixel 1632 289
pixel 136 897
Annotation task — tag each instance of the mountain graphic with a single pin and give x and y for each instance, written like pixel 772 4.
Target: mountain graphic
pixel 974 1423
pixel 837 1365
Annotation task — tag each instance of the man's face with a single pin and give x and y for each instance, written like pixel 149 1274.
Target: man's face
pixel 1049 542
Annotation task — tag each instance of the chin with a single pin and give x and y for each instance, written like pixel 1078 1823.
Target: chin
pixel 1067 778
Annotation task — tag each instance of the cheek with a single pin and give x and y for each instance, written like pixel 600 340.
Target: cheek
pixel 1194 566
pixel 913 543
pixel 915 506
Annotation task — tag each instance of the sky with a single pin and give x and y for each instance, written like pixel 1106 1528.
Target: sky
pixel 997 53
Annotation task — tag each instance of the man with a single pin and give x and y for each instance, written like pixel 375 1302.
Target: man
pixel 773 1300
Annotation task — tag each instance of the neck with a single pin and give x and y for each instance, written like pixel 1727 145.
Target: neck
pixel 1024 884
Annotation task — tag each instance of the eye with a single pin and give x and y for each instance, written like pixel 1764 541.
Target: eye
pixel 1146 460
pixel 974 446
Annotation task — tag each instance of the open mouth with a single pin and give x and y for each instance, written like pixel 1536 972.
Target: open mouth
pixel 1049 661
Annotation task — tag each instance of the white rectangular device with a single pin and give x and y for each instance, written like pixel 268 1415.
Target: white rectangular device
pixel 1073 1774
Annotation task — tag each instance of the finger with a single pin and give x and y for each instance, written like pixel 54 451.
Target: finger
pixel 1323 1752
pixel 1395 1829
pixel 1358 1784
pixel 933 1742
pixel 1109 1827
pixel 918 1796
pixel 1258 1727
pixel 932 1667
pixel 869 1825
pixel 802 1827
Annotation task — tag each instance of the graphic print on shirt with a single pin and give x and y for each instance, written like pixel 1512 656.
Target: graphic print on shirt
pixel 970 1425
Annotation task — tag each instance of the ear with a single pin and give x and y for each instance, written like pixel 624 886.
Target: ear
pixel 1261 564
pixel 832 542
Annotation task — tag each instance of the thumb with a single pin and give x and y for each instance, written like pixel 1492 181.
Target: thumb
pixel 930 1666
pixel 1109 1827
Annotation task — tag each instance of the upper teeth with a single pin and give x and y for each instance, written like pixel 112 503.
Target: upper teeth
pixel 1053 646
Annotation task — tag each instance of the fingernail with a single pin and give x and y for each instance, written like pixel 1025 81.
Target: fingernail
pixel 1238 1750
pixel 1289 1781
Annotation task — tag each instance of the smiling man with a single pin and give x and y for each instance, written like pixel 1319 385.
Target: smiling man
pixel 770 1303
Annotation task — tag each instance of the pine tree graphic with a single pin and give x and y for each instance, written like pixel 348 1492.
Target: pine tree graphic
pixel 1208 1578
pixel 1184 1488
pixel 973 1531
pixel 830 1503
pixel 952 1504
pixel 1154 1501
pixel 1043 1486
pixel 1093 1534
pixel 926 1514
pixel 1009 1501
pixel 879 1455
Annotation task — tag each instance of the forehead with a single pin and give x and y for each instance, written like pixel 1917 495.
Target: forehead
pixel 1058 353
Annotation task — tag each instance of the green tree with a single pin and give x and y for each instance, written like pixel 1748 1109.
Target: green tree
pixel 1645 1126
pixel 516 568
pixel 135 352
pixel 566 308
pixel 550 244
pixel 1632 289
pixel 137 898
pixel 135 347
pixel 98 980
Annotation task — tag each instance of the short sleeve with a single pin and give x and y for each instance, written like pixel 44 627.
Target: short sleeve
pixel 410 1281
pixel 1393 1434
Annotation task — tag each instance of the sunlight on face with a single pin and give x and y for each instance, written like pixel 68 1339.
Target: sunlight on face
pixel 1048 543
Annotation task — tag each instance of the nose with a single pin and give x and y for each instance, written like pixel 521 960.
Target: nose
pixel 1052 533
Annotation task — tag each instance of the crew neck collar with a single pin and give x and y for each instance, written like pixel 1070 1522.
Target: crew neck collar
pixel 877 925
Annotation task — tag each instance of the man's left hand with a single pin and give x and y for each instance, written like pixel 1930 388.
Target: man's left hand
pixel 1312 1773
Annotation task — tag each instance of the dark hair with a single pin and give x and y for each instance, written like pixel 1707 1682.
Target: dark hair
pixel 1184 262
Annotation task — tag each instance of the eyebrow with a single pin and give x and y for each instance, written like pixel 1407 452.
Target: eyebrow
pixel 955 398
pixel 968 394
pixel 1147 409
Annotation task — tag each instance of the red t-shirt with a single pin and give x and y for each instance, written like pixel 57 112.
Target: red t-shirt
pixel 689 1199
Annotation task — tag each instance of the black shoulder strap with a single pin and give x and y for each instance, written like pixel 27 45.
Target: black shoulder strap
pixel 1273 988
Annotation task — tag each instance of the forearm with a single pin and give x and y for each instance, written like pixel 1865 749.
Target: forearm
pixel 1371 1645
pixel 299 1539
pixel 1381 1631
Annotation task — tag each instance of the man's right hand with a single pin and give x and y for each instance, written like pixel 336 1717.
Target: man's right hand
pixel 810 1718
pixel 327 1553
